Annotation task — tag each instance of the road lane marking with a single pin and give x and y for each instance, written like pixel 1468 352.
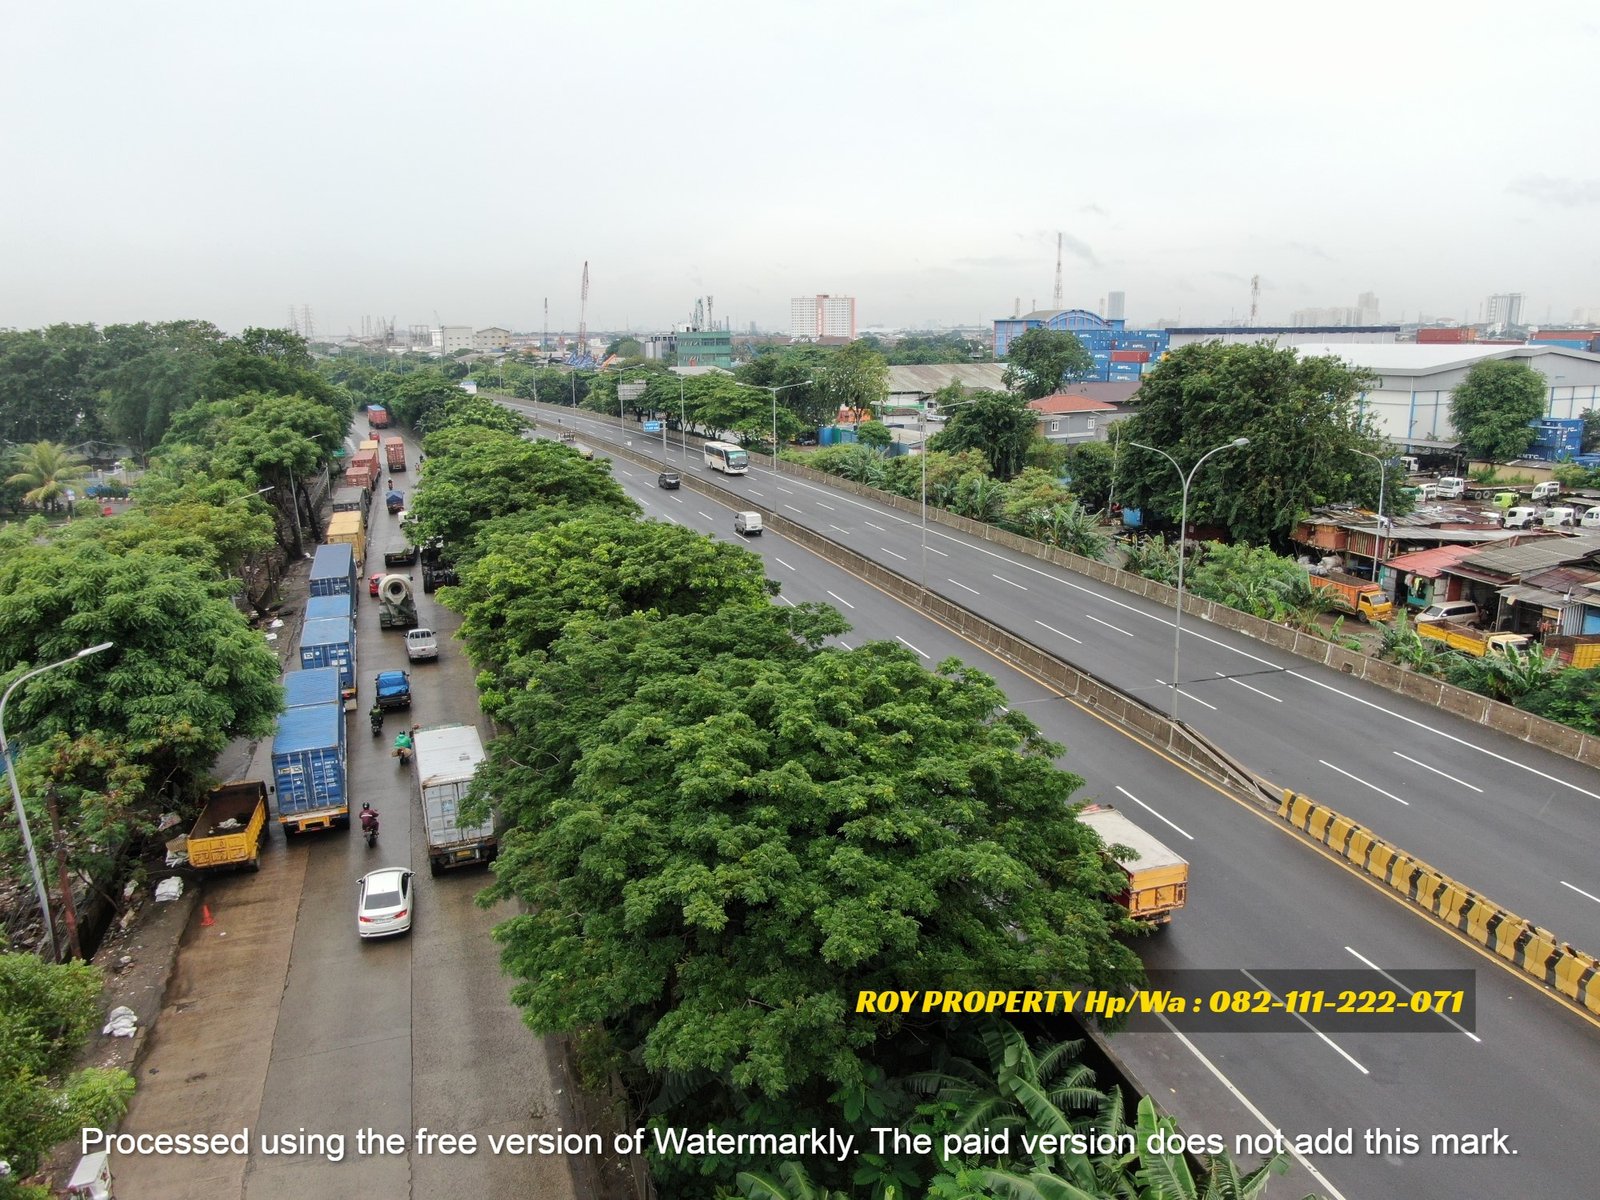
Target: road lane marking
pixel 1580 891
pixel 784 490
pixel 908 645
pixel 1058 632
pixel 1363 782
pixel 959 584
pixel 706 515
pixel 785 600
pixel 829 507
pixel 836 529
pixel 1372 966
pixel 753 492
pixel 1436 771
pixel 1014 584
pixel 1187 696
pixel 1328 1041
pixel 1248 688
pixel 1108 625
pixel 879 528
pixel 793 509
pixel 940 553
pixel 841 599
pixel 780 562
pixel 1154 813
pixel 901 557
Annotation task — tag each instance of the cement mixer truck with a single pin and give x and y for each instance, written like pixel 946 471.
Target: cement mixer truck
pixel 396 607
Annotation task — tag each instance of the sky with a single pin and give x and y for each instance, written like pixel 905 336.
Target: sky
pixel 459 163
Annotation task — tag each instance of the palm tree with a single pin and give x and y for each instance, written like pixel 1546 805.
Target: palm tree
pixel 1075 529
pixel 47 470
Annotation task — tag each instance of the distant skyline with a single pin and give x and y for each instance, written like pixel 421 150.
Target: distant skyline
pixel 459 165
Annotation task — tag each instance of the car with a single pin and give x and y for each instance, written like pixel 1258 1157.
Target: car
pixel 384 901
pixel 1451 610
pixel 669 480
pixel 747 524
pixel 806 439
pixel 373 581
pixel 421 644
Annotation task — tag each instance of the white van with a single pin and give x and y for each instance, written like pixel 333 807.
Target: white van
pixel 747 523
pixel 1451 610
pixel 1548 490
pixel 1559 516
pixel 1452 487
pixel 1590 518
pixel 1520 518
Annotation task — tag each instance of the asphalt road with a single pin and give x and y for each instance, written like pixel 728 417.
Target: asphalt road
pixel 1259 899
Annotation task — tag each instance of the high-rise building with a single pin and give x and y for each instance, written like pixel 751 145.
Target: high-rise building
pixel 823 316
pixel 1505 309
pixel 1367 311
pixel 1114 303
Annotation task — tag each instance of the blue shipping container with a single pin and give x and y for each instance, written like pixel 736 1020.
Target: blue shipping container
pixel 321 607
pixel 333 570
pixel 317 686
pixel 827 435
pixel 330 642
pixel 308 758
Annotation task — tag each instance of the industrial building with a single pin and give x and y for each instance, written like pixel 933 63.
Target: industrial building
pixel 1120 354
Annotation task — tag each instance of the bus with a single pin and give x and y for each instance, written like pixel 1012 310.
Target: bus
pixel 731 460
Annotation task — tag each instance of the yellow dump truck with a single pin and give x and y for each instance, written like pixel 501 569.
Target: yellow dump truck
pixel 232 827
pixel 1458 635
pixel 1362 598
pixel 1158 878
pixel 1582 651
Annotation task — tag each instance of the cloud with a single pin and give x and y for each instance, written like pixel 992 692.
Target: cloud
pixel 1313 251
pixel 1567 193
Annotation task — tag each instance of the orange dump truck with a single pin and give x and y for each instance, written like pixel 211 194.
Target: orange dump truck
pixel 231 828
pixel 1158 878
pixel 1362 598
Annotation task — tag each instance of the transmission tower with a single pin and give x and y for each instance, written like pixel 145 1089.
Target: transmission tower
pixel 583 313
pixel 1058 272
pixel 544 338
pixel 711 321
pixel 1255 298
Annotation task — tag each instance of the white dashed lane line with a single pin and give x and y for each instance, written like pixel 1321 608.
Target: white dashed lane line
pixel 1107 624
pixel 1058 632
pixel 841 599
pixel 1012 582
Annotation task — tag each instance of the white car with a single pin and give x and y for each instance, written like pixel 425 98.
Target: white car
pixel 384 902
pixel 747 523
pixel 422 644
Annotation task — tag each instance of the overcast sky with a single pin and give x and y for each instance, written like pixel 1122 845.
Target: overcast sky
pixel 228 161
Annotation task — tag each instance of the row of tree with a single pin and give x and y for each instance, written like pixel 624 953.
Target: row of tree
pixel 721 828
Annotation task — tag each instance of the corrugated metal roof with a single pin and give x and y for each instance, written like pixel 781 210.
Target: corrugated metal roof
pixel 1534 556
pixel 1519 593
pixel 1562 579
pixel 1407 358
pixel 928 379
pixel 1428 562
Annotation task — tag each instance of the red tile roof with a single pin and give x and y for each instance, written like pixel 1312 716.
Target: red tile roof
pixel 1428 563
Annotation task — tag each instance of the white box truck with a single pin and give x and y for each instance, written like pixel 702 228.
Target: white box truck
pixel 447 758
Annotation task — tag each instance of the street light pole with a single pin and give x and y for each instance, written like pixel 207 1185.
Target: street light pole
pixel 1383 478
pixel 922 453
pixel 1183 525
pixel 782 387
pixel 16 792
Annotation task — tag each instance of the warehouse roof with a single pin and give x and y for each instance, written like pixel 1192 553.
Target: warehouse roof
pixel 1535 556
pixel 1406 358
pixel 928 379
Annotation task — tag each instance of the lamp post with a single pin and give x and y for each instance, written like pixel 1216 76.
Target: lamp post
pixel 16 792
pixel 782 387
pixel 1183 525
pixel 1383 478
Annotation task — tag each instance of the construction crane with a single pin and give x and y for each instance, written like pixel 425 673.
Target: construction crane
pixel 580 356
pixel 1058 272
pixel 544 338
pixel 711 321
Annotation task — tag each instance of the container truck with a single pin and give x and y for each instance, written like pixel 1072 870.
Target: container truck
pixel 394 451
pixel 333 571
pixel 1352 594
pixel 395 501
pixel 1458 635
pixel 330 642
pixel 399 552
pixel 319 608
pixel 370 443
pixel 308 769
pixel 346 529
pixel 302 689
pixel 447 757
pixel 1158 878
pixel 231 828
pixel 351 499
pixel 377 416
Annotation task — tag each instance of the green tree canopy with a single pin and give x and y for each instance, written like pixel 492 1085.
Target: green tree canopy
pixel 1041 360
pixel 46 471
pixel 997 423
pixel 853 377
pixel 1491 408
pixel 1300 415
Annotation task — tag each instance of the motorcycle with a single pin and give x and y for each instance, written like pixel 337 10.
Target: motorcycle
pixel 377 721
pixel 369 826
pixel 403 751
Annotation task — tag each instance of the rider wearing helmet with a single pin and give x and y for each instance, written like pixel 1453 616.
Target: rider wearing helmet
pixel 369 816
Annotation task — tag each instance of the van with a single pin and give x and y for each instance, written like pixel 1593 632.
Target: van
pixel 1451 610
pixel 1520 518
pixel 1421 493
pixel 1590 518
pixel 1409 463
pixel 1548 490
pixel 1452 487
pixel 1505 500
pixel 747 524
pixel 1559 516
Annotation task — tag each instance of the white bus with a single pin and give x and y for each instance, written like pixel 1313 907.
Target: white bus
pixel 720 456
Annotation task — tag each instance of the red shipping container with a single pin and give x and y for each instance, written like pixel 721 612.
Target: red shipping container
pixel 1450 336
pixel 1138 356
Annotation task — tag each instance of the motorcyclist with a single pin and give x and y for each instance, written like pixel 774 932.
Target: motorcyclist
pixel 402 745
pixel 369 819
pixel 375 715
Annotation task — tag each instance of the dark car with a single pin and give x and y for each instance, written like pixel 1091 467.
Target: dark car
pixel 669 480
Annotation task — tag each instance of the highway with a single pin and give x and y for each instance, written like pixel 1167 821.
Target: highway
pixel 1259 898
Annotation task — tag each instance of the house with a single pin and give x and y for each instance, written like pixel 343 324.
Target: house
pixel 1516 586
pixel 1067 419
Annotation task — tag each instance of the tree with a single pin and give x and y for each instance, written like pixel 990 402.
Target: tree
pixel 874 434
pixel 745 847
pixel 1491 408
pixel 1000 425
pixel 1041 360
pixel 47 1012
pixel 1301 418
pixel 47 470
pixel 1591 431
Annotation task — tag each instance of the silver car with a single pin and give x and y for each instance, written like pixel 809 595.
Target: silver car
pixel 384 902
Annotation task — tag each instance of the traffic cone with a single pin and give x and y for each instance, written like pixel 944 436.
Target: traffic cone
pixel 205 915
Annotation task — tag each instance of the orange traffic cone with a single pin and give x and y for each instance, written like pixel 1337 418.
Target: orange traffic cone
pixel 205 915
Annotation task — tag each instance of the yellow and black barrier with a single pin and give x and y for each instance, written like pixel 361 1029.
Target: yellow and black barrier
pixel 1537 952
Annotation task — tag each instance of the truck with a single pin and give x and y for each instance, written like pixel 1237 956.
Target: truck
pixel 319 608
pixel 231 828
pixel 397 609
pixel 1158 878
pixel 333 571
pixel 349 528
pixel 370 443
pixel 422 644
pixel 308 769
pixel 437 570
pixel 320 685
pixel 330 642
pixel 351 499
pixel 1579 650
pixel 363 470
pixel 393 689
pixel 1352 594
pixel 447 758
pixel 377 416
pixel 1458 635
pixel 395 501
pixel 394 452
pixel 399 552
